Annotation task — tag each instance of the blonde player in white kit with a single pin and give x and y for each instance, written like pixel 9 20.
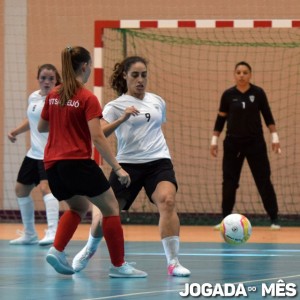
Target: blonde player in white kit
pixel 136 117
pixel 32 171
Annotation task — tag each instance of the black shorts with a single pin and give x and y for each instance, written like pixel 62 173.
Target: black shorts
pixel 32 171
pixel 146 175
pixel 68 178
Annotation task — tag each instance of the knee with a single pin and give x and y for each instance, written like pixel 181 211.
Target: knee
pixel 81 209
pixel 19 192
pixel 22 190
pixel 44 188
pixel 85 208
pixel 82 212
pixel 166 203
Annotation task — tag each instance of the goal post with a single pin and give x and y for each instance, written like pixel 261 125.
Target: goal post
pixel 100 26
pixel 190 64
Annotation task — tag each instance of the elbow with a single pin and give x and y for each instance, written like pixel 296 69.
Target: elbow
pixel 42 126
pixel 106 132
pixel 40 129
pixel 97 139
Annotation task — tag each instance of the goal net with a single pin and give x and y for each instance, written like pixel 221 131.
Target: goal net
pixel 190 65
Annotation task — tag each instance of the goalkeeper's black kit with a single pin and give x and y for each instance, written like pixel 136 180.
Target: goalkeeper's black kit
pixel 244 139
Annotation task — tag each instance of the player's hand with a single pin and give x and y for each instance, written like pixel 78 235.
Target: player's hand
pixel 276 148
pixel 124 177
pixel 130 111
pixel 11 137
pixel 214 150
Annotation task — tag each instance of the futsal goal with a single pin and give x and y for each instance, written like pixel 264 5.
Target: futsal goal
pixel 190 64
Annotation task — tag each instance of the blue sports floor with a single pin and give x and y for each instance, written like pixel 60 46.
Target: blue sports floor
pixel 262 271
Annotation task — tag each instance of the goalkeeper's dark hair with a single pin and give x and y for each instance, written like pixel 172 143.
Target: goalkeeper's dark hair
pixel 243 63
pixel 117 80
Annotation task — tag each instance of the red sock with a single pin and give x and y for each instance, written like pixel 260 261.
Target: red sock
pixel 67 225
pixel 113 234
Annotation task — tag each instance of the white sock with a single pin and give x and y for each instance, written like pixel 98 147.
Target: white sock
pixel 93 243
pixel 171 247
pixel 52 211
pixel 27 214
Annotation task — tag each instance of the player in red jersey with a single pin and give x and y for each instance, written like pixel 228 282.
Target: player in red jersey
pixel 72 116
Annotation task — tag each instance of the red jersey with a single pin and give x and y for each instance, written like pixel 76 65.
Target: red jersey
pixel 69 135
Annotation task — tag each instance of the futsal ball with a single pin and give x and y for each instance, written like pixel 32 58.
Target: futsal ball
pixel 235 229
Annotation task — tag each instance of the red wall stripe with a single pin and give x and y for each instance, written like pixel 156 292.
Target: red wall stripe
pixel 224 24
pixel 296 23
pixel 98 77
pixel 99 27
pixel 262 24
pixel 187 23
pixel 149 24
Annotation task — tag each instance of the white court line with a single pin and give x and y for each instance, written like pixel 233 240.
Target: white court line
pixel 179 290
pixel 285 252
pixel 133 294
pixel 268 279
pixel 212 254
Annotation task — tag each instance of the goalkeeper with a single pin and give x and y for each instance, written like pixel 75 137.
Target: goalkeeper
pixel 241 107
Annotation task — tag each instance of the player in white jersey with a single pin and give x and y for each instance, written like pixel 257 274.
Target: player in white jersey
pixel 136 117
pixel 32 172
pixel 140 139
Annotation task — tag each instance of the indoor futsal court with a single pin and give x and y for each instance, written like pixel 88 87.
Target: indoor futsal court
pixel 269 256
pixel 192 47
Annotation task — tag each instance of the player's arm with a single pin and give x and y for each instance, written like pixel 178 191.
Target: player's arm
pixel 43 125
pixel 109 128
pixel 101 144
pixel 219 125
pixel 275 139
pixel 269 120
pixel 23 127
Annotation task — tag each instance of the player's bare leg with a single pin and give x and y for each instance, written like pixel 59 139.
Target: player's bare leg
pixel 169 226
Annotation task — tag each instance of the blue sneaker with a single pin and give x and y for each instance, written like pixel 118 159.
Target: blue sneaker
pixel 59 262
pixel 126 270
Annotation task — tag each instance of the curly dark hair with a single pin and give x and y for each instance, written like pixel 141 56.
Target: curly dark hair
pixel 117 81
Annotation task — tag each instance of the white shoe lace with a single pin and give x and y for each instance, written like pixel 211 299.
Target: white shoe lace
pixel 20 232
pixel 126 266
pixel 87 255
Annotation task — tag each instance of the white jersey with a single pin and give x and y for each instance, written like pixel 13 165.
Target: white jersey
pixel 140 138
pixel 38 140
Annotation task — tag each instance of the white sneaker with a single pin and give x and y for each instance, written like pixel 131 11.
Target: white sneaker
pixel 126 270
pixel 176 269
pixel 24 239
pixel 48 239
pixel 82 258
pixel 59 262
pixel 275 227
